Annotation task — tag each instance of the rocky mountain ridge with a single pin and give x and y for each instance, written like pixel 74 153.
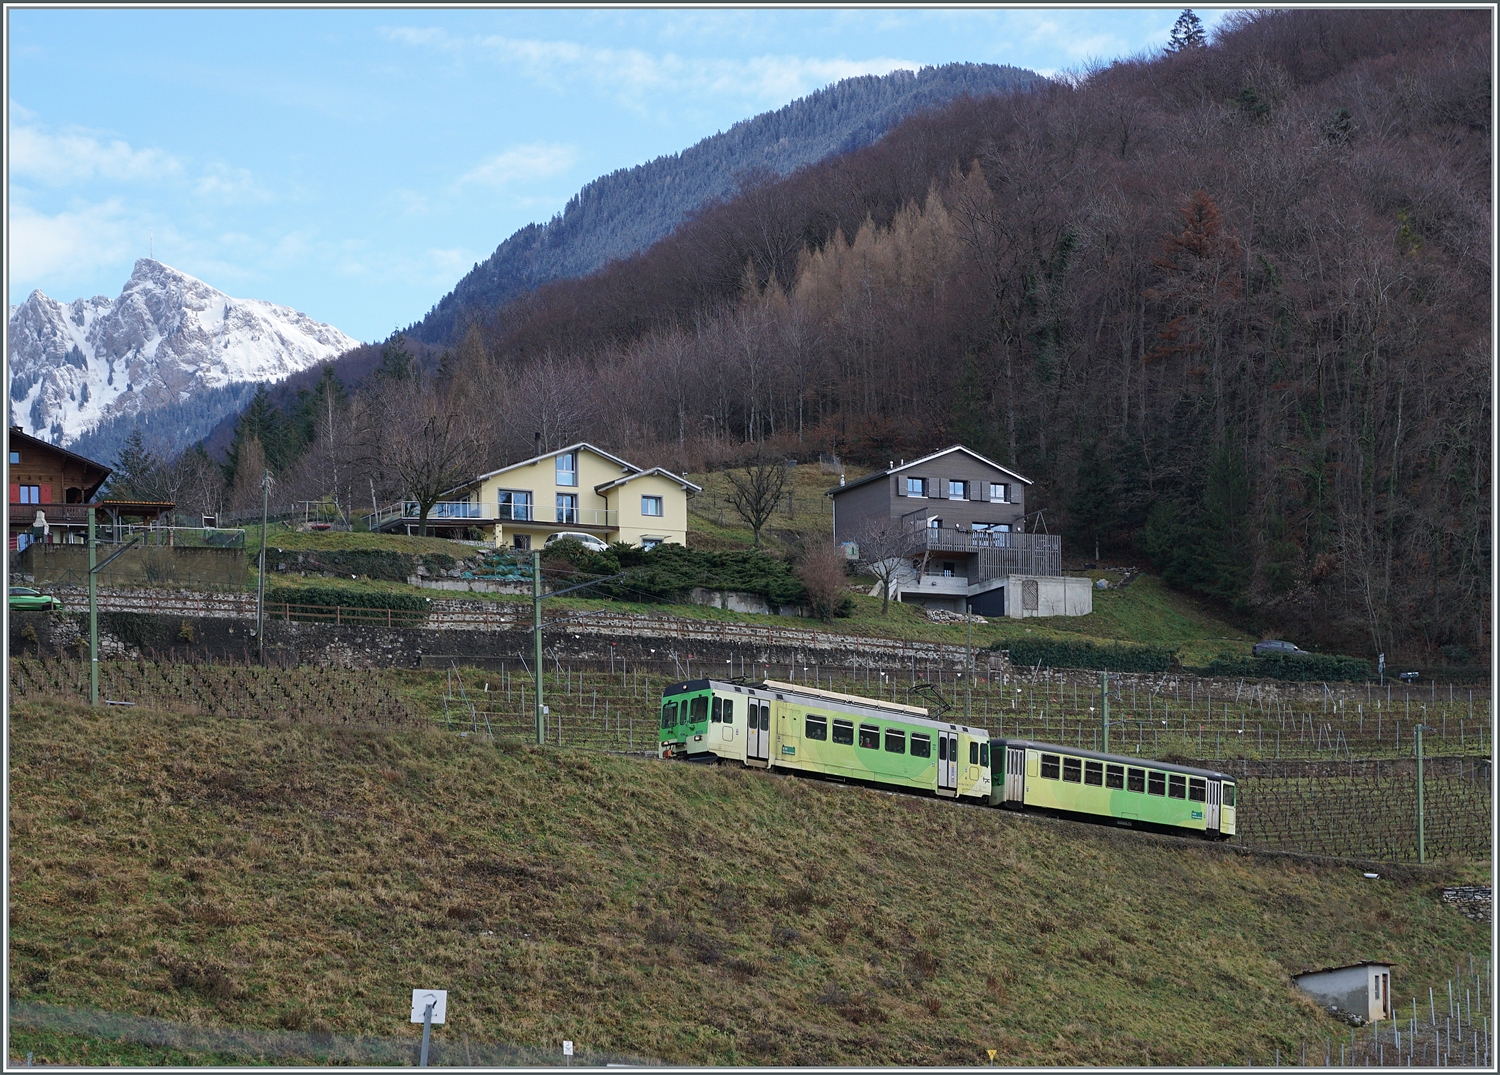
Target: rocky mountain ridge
pixel 167 341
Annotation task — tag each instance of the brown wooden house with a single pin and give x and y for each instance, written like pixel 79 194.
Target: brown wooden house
pixel 51 490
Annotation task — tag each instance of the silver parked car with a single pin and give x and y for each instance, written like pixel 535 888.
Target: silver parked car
pixel 1273 647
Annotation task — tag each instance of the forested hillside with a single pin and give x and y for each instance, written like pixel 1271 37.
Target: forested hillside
pixel 626 211
pixel 1228 307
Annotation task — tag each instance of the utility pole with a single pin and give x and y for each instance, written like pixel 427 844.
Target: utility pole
pixel 1421 812
pixel 536 638
pixel 260 580
pixel 93 616
pixel 1104 696
pixel 969 660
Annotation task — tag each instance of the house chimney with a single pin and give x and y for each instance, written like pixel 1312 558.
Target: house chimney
pixel 537 441
pixel 841 480
pixel 890 464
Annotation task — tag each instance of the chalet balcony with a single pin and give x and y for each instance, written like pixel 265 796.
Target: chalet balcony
pixel 462 513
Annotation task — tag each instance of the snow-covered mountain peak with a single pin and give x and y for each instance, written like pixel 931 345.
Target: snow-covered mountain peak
pixel 165 338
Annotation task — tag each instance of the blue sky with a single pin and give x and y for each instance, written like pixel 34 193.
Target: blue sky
pixel 355 163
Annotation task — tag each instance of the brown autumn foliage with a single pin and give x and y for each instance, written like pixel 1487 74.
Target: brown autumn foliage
pixel 1253 279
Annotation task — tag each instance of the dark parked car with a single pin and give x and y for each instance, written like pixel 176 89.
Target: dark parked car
pixel 1274 648
pixel 25 599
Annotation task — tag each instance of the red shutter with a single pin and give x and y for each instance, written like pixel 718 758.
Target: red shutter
pixel 15 493
pixel 46 494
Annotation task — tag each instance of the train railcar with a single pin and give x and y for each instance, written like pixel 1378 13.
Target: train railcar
pixel 1132 791
pixel 771 724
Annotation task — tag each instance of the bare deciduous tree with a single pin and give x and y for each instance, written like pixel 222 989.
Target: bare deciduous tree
pixel 821 570
pixel 428 449
pixel 756 488
pixel 886 547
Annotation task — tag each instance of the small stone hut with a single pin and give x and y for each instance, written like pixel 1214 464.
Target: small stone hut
pixel 1360 991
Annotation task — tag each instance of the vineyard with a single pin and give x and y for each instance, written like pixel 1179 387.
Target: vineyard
pixel 1324 772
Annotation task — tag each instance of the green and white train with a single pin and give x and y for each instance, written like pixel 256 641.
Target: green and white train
pixel 807 730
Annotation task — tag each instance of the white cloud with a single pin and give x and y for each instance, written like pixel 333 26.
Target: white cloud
pixel 227 185
pixel 77 155
pixel 77 241
pixel 631 73
pixel 522 162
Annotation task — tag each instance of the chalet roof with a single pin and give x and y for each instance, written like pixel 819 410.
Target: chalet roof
pixel 1348 966
pixel 658 471
pixel 18 437
pixel 629 467
pixel 836 490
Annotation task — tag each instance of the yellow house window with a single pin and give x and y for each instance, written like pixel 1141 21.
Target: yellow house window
pixel 567 469
pixel 651 505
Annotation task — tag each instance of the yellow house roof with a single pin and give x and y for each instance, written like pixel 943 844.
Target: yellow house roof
pixel 546 455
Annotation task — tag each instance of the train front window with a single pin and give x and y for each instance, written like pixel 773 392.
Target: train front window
pixel 1228 794
pixel 843 732
pixel 1051 766
pixel 1197 789
pixel 699 710
pixel 1135 780
pixel 1073 770
pixel 1114 776
pixel 669 715
pixel 1158 784
pixel 1176 787
pixel 921 745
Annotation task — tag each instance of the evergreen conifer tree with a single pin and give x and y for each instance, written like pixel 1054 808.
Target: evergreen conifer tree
pixel 1187 33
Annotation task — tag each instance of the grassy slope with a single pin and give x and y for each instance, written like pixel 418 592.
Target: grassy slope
pixel 695 915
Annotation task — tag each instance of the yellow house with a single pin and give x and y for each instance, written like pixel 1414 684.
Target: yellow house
pixel 580 490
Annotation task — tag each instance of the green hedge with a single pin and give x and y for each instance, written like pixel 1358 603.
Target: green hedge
pixel 669 572
pixel 408 610
pixel 1309 667
pixel 1057 653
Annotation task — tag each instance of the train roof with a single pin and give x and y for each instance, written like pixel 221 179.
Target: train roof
pixel 865 707
pixel 1139 763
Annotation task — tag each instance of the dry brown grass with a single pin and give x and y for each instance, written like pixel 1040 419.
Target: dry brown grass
pixel 251 873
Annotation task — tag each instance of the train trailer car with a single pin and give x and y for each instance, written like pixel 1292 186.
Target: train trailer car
pixel 771 724
pixel 1133 791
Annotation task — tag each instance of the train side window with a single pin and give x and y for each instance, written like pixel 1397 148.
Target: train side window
pixel 1228 794
pixel 1177 787
pixel 1197 789
pixel 728 710
pixel 1158 785
pixel 817 727
pixel 669 715
pixel 942 748
pixel 1114 776
pixel 699 710
pixel 1135 780
pixel 1093 773
pixel 1051 766
pixel 717 716
pixel 765 716
pixel 1072 770
pixel 843 732
pixel 895 742
pixel 973 753
pixel 869 737
pixel 984 755
pixel 921 745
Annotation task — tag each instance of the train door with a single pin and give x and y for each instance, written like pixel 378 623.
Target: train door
pixel 1211 807
pixel 948 761
pixel 1015 774
pixel 758 730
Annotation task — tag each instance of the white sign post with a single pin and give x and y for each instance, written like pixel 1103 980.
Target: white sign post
pixel 428 1006
pixel 567 1052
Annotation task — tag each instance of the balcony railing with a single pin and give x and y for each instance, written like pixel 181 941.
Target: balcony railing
pixel 999 552
pixel 450 511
